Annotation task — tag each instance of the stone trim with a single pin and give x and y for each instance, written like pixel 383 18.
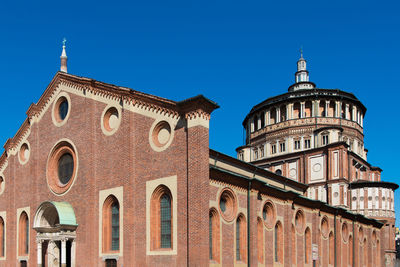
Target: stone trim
pixel 3 215
pixel 170 183
pixel 118 193
pixel 19 212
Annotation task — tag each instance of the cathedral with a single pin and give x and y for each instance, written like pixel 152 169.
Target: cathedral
pixel 103 175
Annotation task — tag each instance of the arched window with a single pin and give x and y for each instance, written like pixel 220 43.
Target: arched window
pixel 161 218
pixel 241 239
pixel 294 250
pixel 2 239
pixel 111 224
pixel 378 254
pixel 307 245
pixel 331 248
pixel 278 243
pixel 214 235
pixel 260 240
pixel 23 234
pixel 351 250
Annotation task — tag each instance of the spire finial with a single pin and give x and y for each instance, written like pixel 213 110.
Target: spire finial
pixel 301 51
pixel 63 57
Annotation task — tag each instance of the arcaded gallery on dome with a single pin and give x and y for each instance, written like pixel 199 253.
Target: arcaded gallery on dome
pixel 103 175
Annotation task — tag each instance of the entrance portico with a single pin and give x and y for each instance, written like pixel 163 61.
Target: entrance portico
pixel 55 225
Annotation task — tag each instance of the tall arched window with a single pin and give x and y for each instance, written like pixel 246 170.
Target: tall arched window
pixel 161 218
pixel 214 235
pixel 2 237
pixel 351 250
pixel 278 243
pixel 241 239
pixel 260 240
pixel 111 224
pixel 331 248
pixel 307 245
pixel 23 234
pixel 294 250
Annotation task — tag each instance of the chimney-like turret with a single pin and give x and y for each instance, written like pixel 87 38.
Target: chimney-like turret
pixel 63 58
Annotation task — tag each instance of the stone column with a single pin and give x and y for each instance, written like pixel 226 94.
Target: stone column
pixel 327 108
pixel 302 109
pixel 39 252
pixel 338 109
pixel 347 112
pixel 316 108
pixel 288 115
pixel 267 122
pixel 73 249
pixel 278 114
pixel 354 113
pixel 63 252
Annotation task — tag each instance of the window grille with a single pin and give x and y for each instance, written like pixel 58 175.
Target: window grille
pixel 115 226
pixel 165 212
pixel 111 263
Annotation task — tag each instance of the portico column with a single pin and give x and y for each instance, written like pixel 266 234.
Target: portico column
pixel 39 252
pixel 73 248
pixel 347 112
pixel 63 253
pixel 338 109
pixel 316 109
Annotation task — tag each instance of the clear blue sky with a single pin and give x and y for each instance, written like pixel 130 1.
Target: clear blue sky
pixel 236 53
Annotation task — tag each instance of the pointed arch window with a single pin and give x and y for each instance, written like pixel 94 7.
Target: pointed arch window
pixel 23 234
pixel 111 227
pixel 161 218
pixel 331 248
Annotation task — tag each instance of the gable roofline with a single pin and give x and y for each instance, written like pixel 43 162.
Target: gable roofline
pixel 198 105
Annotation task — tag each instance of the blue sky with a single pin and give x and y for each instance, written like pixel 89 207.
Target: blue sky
pixel 236 53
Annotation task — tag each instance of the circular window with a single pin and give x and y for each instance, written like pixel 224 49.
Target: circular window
pixel 24 153
pixel 299 221
pixel 227 204
pixel 61 109
pixel 61 167
pixel 354 198
pixel 345 232
pixel 161 135
pixel 269 214
pixel 324 227
pixel 110 120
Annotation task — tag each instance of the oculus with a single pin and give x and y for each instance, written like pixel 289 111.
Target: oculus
pixel 61 167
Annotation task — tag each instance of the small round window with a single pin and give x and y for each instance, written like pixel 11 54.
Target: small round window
pixel 62 167
pixel 227 204
pixel 110 120
pixel 24 153
pixel 61 109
